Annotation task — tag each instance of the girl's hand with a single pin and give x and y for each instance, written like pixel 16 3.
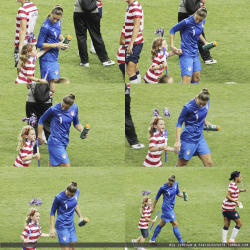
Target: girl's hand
pixel 165 64
pixel 37 155
pixel 25 240
pixel 179 51
pixel 243 190
pixel 52 233
pixel 177 147
pixel 153 222
pixel 237 203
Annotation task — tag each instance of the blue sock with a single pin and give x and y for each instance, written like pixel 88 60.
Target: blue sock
pixel 138 73
pixel 156 232
pixel 177 234
pixel 194 82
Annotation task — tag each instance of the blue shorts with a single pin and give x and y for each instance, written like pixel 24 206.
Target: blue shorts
pixel 168 216
pixel 53 69
pixel 144 233
pixel 122 68
pixel 66 235
pixel 192 149
pixel 57 154
pixel 231 215
pixel 136 53
pixel 189 64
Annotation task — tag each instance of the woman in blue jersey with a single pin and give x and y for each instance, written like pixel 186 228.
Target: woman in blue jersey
pixel 191 141
pixel 65 203
pixel 61 116
pixel 191 31
pixel 50 37
pixel 169 190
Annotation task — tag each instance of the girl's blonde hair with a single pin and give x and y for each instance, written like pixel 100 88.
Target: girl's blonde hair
pixel 21 138
pixel 26 49
pixel 143 203
pixel 153 123
pixel 30 214
pixel 155 46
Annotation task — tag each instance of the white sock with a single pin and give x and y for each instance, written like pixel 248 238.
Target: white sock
pixel 224 235
pixel 139 78
pixel 92 46
pixel 133 81
pixel 234 234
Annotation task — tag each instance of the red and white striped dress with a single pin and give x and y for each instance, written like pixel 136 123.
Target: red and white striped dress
pixel 234 193
pixel 143 223
pixel 152 76
pixel 133 11
pixel 27 12
pixel 121 51
pixel 31 232
pixel 153 159
pixel 27 70
pixel 27 150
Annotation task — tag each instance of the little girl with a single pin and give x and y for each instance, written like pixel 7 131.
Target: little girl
pixel 26 64
pixel 32 230
pixel 144 220
pixel 157 143
pixel 159 60
pixel 25 146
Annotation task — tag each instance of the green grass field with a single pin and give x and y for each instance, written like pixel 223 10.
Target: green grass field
pixel 109 173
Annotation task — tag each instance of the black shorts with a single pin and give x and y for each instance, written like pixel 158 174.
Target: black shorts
pixel 231 215
pixel 144 233
pixel 16 55
pixel 136 53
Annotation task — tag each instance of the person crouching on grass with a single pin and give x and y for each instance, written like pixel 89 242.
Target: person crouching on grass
pixel 144 220
pixel 32 230
pixel 27 140
pixel 228 207
pixel 61 116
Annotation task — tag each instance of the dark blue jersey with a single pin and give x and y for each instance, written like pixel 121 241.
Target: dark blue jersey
pixel 49 33
pixel 65 208
pixel 169 194
pixel 60 122
pixel 190 33
pixel 194 118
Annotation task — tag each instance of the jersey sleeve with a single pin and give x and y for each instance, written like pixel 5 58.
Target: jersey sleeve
pixel 46 116
pixel 159 194
pixel 152 142
pixel 25 232
pixel 42 37
pixel 179 26
pixel 23 14
pixel 55 206
pixel 75 119
pixel 182 117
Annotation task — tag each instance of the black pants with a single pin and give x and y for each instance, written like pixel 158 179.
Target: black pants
pixel 129 125
pixel 39 109
pixel 205 55
pixel 89 21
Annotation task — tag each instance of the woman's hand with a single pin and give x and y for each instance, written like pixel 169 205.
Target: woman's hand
pixel 62 45
pixel 52 233
pixel 177 147
pixel 130 48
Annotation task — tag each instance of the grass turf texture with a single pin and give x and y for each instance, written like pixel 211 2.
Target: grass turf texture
pixel 200 218
pixel 98 200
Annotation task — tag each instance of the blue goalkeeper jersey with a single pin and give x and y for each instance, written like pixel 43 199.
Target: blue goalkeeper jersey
pixel 169 194
pixel 49 33
pixel 60 122
pixel 190 33
pixel 194 118
pixel 65 208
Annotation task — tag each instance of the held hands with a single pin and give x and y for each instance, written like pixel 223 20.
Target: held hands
pixel 37 155
pixel 153 222
pixel 52 233
pixel 177 51
pixel 177 147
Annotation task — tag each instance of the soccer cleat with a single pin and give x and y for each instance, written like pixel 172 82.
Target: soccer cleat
pixel 138 146
pixel 86 65
pixel 211 61
pixel 108 63
pixel 92 51
pixel 135 243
